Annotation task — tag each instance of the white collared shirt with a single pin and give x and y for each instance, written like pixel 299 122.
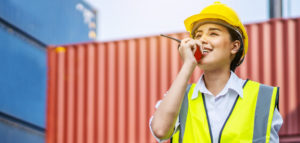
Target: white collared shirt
pixel 219 106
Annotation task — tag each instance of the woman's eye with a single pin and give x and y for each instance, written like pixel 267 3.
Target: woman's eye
pixel 213 34
pixel 198 36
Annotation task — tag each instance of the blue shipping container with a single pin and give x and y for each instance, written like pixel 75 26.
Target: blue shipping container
pixel 13 130
pixel 23 77
pixel 26 28
pixel 51 21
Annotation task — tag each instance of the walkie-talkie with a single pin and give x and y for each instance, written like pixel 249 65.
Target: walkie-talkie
pixel 197 54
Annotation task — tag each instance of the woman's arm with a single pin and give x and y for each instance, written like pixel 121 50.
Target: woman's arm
pixel 166 114
pixel 276 125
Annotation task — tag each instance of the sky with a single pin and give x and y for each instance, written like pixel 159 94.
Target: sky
pixel 125 19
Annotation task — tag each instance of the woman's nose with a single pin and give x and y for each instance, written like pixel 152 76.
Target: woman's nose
pixel 203 39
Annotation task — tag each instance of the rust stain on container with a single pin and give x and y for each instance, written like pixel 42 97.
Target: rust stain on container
pixel 106 92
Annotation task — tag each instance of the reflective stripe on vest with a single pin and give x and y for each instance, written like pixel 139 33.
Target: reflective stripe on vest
pixel 249 120
pixel 183 113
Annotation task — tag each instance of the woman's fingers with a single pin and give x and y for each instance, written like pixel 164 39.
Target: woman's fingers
pixel 187 49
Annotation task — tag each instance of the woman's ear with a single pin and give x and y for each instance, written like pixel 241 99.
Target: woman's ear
pixel 235 47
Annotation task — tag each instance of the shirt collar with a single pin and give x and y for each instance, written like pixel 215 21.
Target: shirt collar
pixel 234 84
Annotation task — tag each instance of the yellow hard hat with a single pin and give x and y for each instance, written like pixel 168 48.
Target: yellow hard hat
pixel 221 14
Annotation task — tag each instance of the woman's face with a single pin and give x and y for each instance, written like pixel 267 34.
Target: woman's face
pixel 218 49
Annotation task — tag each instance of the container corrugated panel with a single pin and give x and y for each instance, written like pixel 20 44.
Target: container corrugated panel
pixel 53 21
pixel 14 130
pixel 106 92
pixel 10 133
pixel 23 74
pixel 22 87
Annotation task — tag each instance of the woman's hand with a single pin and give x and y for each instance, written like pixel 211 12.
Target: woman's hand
pixel 187 50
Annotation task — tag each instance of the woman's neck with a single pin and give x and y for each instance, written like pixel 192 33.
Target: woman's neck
pixel 216 80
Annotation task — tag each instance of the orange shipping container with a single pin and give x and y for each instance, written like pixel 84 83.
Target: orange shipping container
pixel 106 92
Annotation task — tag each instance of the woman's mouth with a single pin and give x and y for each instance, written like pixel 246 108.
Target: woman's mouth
pixel 205 52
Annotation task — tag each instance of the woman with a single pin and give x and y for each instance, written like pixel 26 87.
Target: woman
pixel 220 107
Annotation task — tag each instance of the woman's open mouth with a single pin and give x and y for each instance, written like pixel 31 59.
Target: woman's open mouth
pixel 206 52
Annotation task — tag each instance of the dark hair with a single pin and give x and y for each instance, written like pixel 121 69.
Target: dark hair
pixel 237 59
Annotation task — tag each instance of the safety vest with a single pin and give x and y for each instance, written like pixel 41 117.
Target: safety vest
pixel 249 120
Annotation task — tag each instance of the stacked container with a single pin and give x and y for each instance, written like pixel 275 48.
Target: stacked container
pixel 26 28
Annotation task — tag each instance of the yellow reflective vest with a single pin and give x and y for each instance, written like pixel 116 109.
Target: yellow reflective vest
pixel 249 120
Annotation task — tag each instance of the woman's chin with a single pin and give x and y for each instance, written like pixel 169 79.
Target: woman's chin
pixel 203 65
pixel 206 65
pixel 204 62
